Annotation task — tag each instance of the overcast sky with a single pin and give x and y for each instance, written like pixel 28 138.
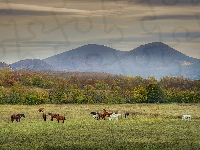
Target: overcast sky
pixel 42 28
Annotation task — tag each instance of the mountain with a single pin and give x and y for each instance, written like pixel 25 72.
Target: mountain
pixel 3 64
pixel 158 59
pixel 152 59
pixel 31 64
pixel 87 58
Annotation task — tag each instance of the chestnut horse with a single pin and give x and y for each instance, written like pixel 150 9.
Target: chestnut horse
pixel 53 115
pixel 102 116
pixel 17 117
pixel 60 118
pixel 106 113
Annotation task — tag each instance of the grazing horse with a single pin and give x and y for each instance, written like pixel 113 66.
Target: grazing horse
pixel 53 116
pixel 126 114
pixel 17 117
pixel 60 118
pixel 102 116
pixel 95 115
pixel 41 110
pixel 114 115
pixel 184 117
pixel 106 113
pixel 44 116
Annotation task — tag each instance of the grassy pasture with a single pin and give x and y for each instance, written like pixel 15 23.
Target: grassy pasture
pixel 149 126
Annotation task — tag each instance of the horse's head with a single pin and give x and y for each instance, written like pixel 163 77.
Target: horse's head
pixel 22 115
pixel 104 111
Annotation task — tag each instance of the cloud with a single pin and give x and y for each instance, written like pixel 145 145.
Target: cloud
pixel 23 9
pixel 166 2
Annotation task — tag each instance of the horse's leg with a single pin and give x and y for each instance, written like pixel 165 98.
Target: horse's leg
pixel 58 120
pixel 63 121
pixel 12 118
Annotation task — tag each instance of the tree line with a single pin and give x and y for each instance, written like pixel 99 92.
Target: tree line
pixel 42 87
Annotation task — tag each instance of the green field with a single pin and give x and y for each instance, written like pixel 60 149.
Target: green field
pixel 149 126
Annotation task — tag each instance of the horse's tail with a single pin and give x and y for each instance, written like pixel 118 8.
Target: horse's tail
pixel 64 118
pixel 12 118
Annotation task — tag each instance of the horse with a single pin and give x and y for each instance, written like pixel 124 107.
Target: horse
pixel 53 116
pixel 184 117
pixel 114 115
pixel 126 114
pixel 106 113
pixel 44 116
pixel 17 117
pixel 93 113
pixel 102 116
pixel 41 110
pixel 60 118
pixel 96 116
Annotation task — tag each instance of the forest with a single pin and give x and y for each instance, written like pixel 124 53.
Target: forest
pixel 60 87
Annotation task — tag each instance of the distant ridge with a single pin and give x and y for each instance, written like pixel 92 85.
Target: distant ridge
pixel 31 64
pixel 3 64
pixel 152 59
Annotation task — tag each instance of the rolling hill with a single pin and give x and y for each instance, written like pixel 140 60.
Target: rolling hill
pixel 152 59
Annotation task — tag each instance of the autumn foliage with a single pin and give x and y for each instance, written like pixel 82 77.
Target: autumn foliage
pixel 41 87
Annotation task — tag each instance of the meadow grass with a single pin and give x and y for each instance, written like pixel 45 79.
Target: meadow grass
pixel 149 126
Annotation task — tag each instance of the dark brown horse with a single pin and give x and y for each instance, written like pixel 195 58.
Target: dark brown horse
pixel 44 116
pixel 126 114
pixel 17 117
pixel 60 118
pixel 53 115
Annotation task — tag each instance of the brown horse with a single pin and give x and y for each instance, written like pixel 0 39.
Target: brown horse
pixel 106 113
pixel 44 116
pixel 60 118
pixel 17 117
pixel 41 110
pixel 102 116
pixel 53 115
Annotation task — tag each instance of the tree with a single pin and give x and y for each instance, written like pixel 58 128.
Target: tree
pixel 3 95
pixel 154 93
pixel 89 94
pixel 140 94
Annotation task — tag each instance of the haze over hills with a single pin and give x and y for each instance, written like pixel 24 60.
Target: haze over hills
pixel 31 64
pixel 153 59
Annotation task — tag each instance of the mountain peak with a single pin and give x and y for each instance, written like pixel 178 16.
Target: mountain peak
pixel 155 45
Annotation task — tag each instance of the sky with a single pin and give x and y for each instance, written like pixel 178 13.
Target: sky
pixel 42 28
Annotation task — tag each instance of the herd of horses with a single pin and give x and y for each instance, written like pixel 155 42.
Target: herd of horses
pixel 17 117
pixel 110 115
pixel 56 116
pixel 96 115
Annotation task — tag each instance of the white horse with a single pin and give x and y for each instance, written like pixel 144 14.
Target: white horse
pixel 114 115
pixel 184 117
pixel 96 116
